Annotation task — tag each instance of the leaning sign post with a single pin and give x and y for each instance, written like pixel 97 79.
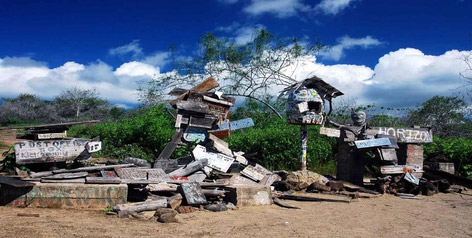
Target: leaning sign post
pixel 305 106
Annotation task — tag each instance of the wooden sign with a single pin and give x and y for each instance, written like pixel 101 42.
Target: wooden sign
pixel 47 136
pixel 235 125
pixel 388 154
pixel 195 135
pixel 400 169
pixel 360 144
pixel 330 132
pixel 216 161
pixel 193 193
pixel 44 151
pixel 253 173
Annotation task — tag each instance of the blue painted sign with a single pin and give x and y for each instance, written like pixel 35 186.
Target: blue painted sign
pixel 235 125
pixel 372 143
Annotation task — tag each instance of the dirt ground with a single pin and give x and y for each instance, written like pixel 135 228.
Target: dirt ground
pixel 7 138
pixel 442 215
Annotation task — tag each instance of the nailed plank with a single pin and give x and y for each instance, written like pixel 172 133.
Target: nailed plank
pixel 93 168
pixel 193 193
pixel 170 147
pixel 67 176
pixel 15 182
pixel 216 161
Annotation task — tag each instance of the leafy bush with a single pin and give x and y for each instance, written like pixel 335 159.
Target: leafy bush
pixel 143 135
pixel 458 150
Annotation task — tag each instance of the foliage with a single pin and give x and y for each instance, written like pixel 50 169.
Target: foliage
pixel 143 135
pixel 248 69
pixel 457 150
pixel 75 101
pixel 8 163
pixel 446 116
pixel 26 108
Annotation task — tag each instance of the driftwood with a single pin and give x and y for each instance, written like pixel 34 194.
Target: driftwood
pixel 92 168
pixel 315 197
pixel 278 202
pixel 124 210
pixel 40 174
pixel 76 180
pixel 189 169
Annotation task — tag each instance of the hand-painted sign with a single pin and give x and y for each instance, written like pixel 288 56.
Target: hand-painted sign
pixel 330 132
pixel 216 161
pixel 400 169
pixel 195 135
pixel 235 125
pixel 372 143
pixel 43 151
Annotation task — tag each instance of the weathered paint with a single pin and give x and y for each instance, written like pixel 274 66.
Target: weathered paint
pixel 249 195
pixel 235 125
pixel 49 150
pixel 330 132
pixel 66 195
pixel 216 161
pixel 360 144
pixel 303 145
pixel 403 135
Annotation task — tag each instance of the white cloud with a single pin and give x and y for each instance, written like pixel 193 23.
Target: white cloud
pixel 333 7
pixel 337 51
pixel 133 49
pixel 280 8
pixel 118 86
pixel 240 34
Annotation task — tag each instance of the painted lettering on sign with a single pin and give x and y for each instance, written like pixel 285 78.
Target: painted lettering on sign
pixel 407 135
pixel 372 143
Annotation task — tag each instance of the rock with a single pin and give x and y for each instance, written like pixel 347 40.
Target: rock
pixel 217 207
pixel 186 209
pixel 166 215
pixel 299 180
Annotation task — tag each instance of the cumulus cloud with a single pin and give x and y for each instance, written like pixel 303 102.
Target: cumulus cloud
pixel 135 52
pixel 117 85
pixel 332 7
pixel 280 8
pixel 337 51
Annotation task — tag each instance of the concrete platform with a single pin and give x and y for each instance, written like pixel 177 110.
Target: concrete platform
pixel 249 195
pixel 65 195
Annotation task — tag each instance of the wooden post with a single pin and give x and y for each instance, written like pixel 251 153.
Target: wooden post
pixel 304 139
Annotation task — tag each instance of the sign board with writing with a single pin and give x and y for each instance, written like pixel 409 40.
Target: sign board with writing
pixel 45 151
pixel 216 161
pixel 253 173
pixel 235 125
pixel 193 193
pixel 156 174
pixel 330 132
pixel 404 135
pixel 400 169
pixel 46 136
pixel 360 144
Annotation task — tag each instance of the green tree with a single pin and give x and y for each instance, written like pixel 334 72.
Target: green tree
pixel 447 116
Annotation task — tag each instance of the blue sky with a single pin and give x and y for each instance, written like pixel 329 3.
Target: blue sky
pixel 393 53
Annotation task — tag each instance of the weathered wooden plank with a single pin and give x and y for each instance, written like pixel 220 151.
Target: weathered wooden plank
pixel 77 180
pixel 44 151
pixel 202 122
pixel 162 187
pixel 268 180
pixel 388 154
pixel 400 169
pixel 193 194
pixel 67 176
pixel 40 174
pixel 238 156
pixel 193 106
pixel 315 197
pixel 403 135
pixel 238 179
pixel 156 174
pixel 208 84
pixel 174 201
pixel 214 100
pixel 15 182
pixel 124 210
pixel 103 180
pixel 92 168
pixel 220 145
pixel 68 124
pixel 361 144
pixel 170 147
pixel 190 168
pixel 216 161
pixel 108 174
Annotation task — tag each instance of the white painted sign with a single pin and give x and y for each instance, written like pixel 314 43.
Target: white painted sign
pixel 372 143
pixel 93 146
pixel 43 151
pixel 235 125
pixel 253 173
pixel 216 161
pixel 330 132
pixel 400 169
pixel 45 136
